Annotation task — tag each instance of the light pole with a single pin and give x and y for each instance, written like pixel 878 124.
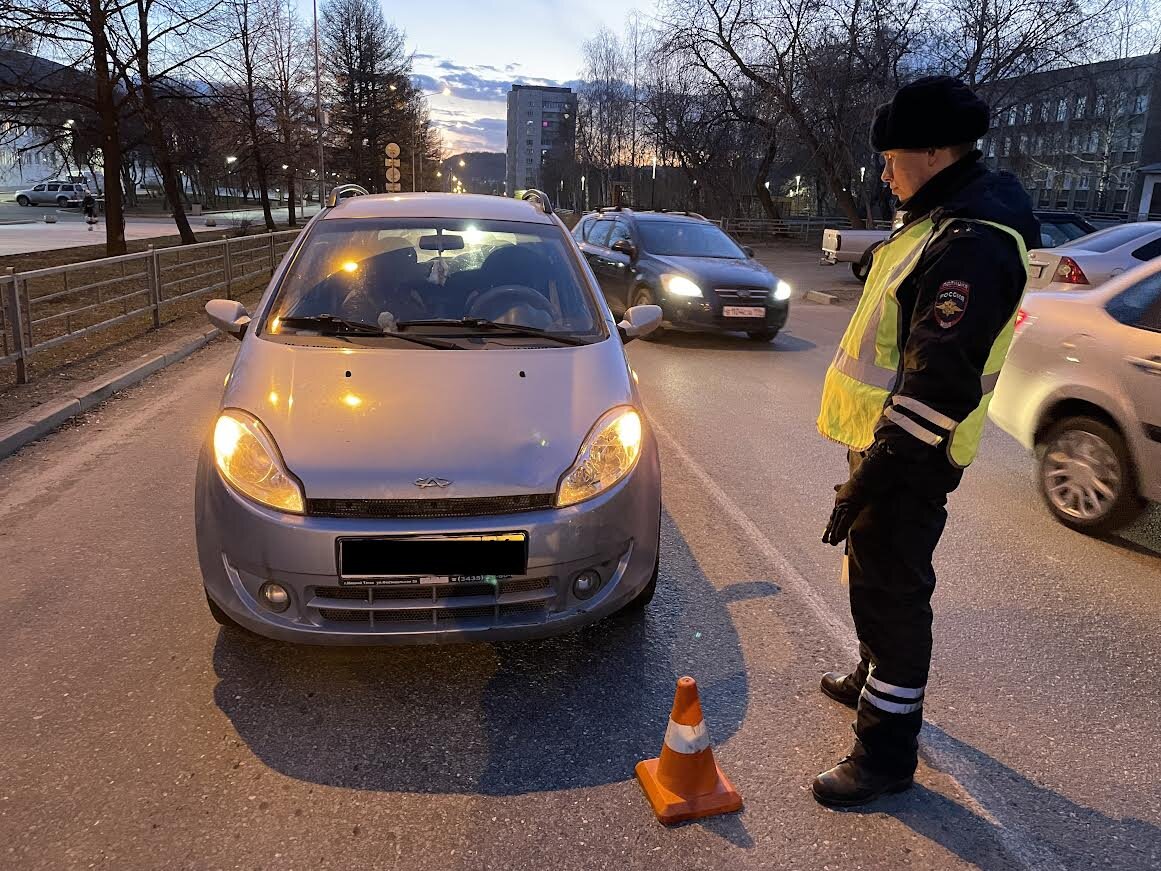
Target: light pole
pixel 584 195
pixel 653 191
pixel 322 169
pixel 229 162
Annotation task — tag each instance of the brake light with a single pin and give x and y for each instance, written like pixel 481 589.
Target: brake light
pixel 1069 272
pixel 1023 321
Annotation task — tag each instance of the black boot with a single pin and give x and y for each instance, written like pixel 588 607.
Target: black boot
pixel 843 688
pixel 855 781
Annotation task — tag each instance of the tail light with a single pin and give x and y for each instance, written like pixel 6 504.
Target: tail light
pixel 1023 321
pixel 1069 272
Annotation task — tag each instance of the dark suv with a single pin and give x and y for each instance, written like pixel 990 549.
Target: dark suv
pixel 701 278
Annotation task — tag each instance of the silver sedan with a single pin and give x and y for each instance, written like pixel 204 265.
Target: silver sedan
pixel 367 481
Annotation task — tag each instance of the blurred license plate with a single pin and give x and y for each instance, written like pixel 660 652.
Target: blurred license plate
pixel 431 559
pixel 744 311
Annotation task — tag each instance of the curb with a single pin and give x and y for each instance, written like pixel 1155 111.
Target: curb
pixel 47 416
pixel 820 297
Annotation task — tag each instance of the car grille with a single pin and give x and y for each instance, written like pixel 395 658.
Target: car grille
pixel 389 508
pixel 403 608
pixel 742 295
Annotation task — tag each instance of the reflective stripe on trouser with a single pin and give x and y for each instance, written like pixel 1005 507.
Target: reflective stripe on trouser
pixel 890 547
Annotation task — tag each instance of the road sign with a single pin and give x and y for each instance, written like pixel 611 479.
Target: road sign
pixel 393 188
pixel 393 175
pixel 392 150
pixel 389 162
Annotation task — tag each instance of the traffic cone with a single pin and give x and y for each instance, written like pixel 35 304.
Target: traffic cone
pixel 685 783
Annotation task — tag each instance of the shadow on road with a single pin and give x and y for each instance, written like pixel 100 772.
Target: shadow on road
pixel 784 343
pixel 504 719
pixel 1042 828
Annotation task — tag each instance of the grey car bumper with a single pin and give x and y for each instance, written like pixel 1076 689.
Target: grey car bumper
pixel 242 545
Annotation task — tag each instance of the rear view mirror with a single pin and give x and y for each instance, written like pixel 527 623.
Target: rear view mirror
pixel 640 321
pixel 441 242
pixel 229 316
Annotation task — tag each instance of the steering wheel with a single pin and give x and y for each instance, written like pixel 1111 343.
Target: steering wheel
pixel 506 297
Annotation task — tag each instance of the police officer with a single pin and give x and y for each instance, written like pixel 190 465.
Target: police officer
pixel 908 393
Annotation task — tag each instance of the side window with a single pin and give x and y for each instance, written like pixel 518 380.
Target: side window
pixel 40 187
pixel 582 228
pixel 620 233
pixel 599 235
pixel 1140 305
pixel 54 187
pixel 1149 250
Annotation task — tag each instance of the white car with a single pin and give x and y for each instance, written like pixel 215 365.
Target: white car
pixel 1090 260
pixel 62 193
pixel 1081 388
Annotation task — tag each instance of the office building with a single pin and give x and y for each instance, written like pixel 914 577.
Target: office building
pixel 541 129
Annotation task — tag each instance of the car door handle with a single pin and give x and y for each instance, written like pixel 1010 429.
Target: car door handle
pixel 1152 366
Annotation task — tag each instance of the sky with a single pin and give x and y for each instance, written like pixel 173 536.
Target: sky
pixel 476 50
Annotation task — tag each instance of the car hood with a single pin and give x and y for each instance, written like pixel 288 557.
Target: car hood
pixel 718 272
pixel 492 422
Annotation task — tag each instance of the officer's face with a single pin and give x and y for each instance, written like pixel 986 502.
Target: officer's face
pixel 907 170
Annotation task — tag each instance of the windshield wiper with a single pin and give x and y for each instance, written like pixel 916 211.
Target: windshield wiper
pixel 484 325
pixel 329 325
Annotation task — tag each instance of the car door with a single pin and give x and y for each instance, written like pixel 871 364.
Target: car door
pixel 618 267
pixel 38 194
pixel 1138 309
pixel 594 249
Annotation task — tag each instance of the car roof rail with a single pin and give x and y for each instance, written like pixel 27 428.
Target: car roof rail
pixel 541 199
pixel 343 192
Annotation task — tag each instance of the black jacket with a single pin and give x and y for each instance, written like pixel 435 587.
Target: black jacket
pixel 957 300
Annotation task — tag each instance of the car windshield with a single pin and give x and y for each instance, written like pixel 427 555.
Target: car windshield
pixel 1106 240
pixel 687 239
pixel 471 277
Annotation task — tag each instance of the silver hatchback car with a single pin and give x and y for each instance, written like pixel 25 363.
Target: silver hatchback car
pixel 368 482
pixel 1082 388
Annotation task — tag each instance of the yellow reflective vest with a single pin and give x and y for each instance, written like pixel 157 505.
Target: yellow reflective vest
pixel 863 381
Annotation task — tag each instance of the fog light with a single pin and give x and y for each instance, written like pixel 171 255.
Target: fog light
pixel 276 596
pixel 586 584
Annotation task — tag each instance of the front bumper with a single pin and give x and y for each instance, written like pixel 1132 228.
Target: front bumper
pixel 707 314
pixel 241 546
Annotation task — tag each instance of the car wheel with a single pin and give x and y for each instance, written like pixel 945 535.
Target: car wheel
pixel 762 336
pixel 1086 478
pixel 644 296
pixel 640 602
pixel 23 201
pixel 62 202
pixel 861 270
pixel 224 619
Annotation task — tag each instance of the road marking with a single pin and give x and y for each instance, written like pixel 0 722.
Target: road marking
pixel 979 795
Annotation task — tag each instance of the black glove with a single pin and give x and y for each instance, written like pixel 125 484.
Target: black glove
pixel 874 478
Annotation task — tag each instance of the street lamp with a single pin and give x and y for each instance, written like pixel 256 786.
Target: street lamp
pixel 229 162
pixel 462 164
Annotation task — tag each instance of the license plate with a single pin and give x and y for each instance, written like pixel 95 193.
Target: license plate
pixel 744 311
pixel 425 580
pixel 1035 270
pixel 441 558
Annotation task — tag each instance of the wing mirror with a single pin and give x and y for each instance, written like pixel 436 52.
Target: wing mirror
pixel 229 316
pixel 749 252
pixel 639 321
pixel 624 246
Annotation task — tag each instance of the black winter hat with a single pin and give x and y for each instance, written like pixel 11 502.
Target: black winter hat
pixel 930 113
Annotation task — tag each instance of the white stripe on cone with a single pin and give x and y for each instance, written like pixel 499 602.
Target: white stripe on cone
pixel 686 739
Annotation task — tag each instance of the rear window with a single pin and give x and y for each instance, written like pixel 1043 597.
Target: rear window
pixel 1106 240
pixel 1053 233
pixel 687 239
pixel 385 271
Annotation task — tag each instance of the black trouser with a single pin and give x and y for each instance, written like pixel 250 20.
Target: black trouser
pixel 891 581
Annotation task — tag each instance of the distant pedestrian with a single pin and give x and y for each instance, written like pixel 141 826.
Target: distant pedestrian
pixel 89 204
pixel 908 393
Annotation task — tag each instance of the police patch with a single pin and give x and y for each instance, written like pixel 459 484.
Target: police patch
pixel 951 303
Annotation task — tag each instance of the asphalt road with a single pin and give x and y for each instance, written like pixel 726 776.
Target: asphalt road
pixel 136 735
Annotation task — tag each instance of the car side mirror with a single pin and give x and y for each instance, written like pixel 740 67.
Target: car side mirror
pixel 626 247
pixel 639 321
pixel 229 316
pixel 749 251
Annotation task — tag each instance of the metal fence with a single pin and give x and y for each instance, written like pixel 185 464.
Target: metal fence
pixel 803 228
pixel 45 308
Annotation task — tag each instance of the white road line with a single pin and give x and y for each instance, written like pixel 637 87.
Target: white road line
pixel 981 797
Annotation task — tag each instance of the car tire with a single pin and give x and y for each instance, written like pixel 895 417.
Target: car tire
pixel 62 202
pixel 861 270
pixel 762 336
pixel 644 296
pixel 640 602
pixel 224 619
pixel 1080 451
pixel 23 201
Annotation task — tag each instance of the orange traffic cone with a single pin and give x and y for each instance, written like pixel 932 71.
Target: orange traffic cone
pixel 685 783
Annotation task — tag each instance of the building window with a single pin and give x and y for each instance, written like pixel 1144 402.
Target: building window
pixel 1038 145
pixel 1081 105
pixel 1124 178
pixel 1094 141
pixel 1023 144
pixel 991 148
pixel 1074 143
pixel 1101 105
pixel 1012 117
pixel 1085 181
pixel 1028 113
pixel 1142 104
pixel 1062 110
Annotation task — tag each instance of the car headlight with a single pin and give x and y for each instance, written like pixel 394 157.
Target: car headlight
pixel 782 291
pixel 607 455
pixel 248 461
pixel 679 285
